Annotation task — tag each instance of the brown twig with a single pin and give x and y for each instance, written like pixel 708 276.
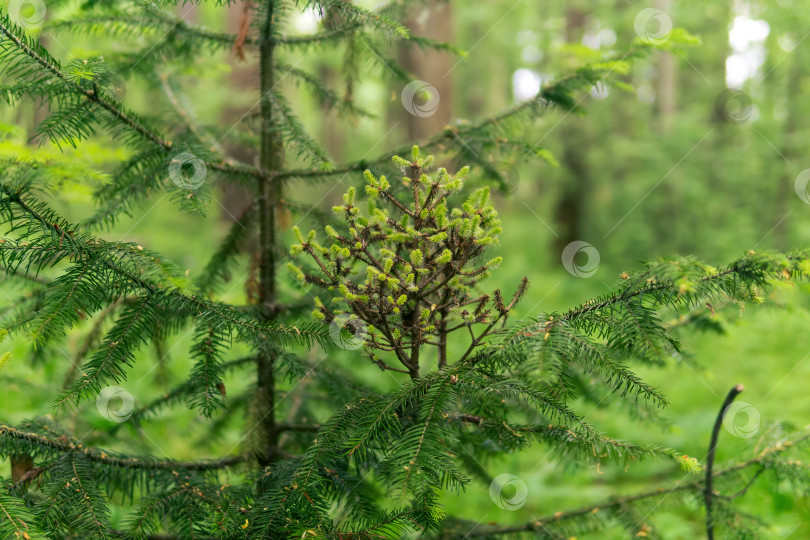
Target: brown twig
pixel 733 393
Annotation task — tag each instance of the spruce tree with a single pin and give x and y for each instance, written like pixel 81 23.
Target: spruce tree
pixel 400 271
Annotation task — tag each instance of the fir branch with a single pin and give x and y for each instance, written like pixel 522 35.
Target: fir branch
pixel 352 14
pixel 75 503
pixel 553 94
pixel 131 24
pixel 674 284
pixel 765 458
pixel 137 323
pixel 207 393
pixel 325 96
pixel 179 392
pixel 51 66
pixel 321 38
pixel 221 263
pixel 127 118
pixel 184 507
pixel 138 267
pixel 293 131
pixel 15 441
pixel 16 519
pixel 574 437
pixel 134 327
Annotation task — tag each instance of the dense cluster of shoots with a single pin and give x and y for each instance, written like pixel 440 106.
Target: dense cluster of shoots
pixel 405 270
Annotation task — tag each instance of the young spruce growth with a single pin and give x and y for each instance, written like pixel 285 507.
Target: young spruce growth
pixel 407 268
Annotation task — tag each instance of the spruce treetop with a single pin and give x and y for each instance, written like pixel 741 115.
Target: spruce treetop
pixel 408 265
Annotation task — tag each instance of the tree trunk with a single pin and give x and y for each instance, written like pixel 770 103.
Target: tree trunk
pixel 432 20
pixel 243 75
pixel 331 132
pixel 790 135
pixel 570 211
pixel 667 74
pixel 666 108
pixel 269 193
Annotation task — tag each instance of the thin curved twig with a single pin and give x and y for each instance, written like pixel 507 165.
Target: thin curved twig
pixel 733 393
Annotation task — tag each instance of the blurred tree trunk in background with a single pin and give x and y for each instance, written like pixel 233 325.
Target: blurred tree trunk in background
pixel 714 66
pixel 791 140
pixel 575 134
pixel 622 122
pixel 480 95
pixel 244 74
pixel 331 129
pixel 667 74
pixel 666 109
pixel 432 20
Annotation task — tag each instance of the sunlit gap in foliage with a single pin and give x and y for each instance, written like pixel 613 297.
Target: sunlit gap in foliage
pixel 527 82
pixel 747 40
